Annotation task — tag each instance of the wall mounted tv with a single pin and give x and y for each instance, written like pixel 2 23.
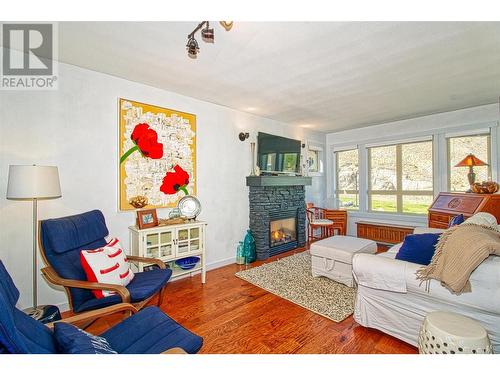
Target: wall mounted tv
pixel 278 154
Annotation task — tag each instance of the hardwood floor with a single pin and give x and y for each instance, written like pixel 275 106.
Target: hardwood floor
pixel 234 316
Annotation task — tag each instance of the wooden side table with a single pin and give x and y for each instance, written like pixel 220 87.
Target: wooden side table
pixel 339 218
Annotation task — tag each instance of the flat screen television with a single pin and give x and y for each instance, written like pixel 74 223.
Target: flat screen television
pixel 277 154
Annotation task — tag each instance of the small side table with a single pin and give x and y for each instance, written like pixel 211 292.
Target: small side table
pixel 449 333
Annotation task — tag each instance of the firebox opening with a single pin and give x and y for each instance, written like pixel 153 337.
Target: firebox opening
pixel 283 231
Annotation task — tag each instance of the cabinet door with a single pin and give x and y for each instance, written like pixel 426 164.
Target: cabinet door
pixel 189 240
pixel 151 246
pixel 195 239
pixel 183 241
pixel 166 243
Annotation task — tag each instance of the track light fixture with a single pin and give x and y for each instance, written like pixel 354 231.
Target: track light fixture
pixel 192 48
pixel 207 34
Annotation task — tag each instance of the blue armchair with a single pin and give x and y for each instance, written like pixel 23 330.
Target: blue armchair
pixel 61 241
pixel 148 331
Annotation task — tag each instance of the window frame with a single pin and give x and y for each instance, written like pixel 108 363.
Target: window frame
pixel 399 193
pixel 337 190
pixel 448 155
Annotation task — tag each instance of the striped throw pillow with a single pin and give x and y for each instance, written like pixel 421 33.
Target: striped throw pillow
pixel 107 264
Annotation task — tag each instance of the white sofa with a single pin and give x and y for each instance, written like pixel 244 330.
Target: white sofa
pixel 392 300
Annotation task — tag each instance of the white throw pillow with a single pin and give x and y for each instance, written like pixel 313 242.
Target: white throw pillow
pixel 107 264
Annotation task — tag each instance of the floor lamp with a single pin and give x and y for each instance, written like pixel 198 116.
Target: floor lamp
pixel 33 182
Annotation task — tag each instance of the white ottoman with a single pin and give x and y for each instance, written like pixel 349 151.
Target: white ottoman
pixel 332 257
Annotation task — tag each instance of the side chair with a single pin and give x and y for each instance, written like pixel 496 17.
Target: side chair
pixel 149 331
pixel 327 221
pixel 60 242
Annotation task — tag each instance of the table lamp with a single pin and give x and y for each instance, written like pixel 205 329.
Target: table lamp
pixel 471 161
pixel 33 182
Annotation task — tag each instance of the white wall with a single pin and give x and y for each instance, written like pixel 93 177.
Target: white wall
pixel 75 128
pixel 437 125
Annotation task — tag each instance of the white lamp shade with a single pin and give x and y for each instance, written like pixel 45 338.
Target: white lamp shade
pixel 33 182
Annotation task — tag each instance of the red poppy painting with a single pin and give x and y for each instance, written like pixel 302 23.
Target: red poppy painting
pixel 157 156
pixel 146 141
pixel 176 181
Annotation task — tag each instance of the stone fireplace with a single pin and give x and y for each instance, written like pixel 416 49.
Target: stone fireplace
pixel 277 213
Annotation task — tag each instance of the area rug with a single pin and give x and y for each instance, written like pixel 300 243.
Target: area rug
pixel 290 278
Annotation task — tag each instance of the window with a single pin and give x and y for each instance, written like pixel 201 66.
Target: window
pixel 347 179
pixel 459 148
pixel 400 178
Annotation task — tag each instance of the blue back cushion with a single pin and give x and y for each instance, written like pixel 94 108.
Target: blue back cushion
pixel 72 340
pixel 456 220
pixel 64 238
pixel 418 248
pixel 20 333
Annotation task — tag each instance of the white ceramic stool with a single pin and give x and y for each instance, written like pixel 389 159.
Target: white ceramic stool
pixel 449 333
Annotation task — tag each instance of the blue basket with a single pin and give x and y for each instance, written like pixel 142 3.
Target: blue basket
pixel 187 263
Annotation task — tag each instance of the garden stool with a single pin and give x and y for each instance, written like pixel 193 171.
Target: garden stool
pixel 449 333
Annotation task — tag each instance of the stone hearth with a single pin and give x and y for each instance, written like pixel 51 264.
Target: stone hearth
pixel 271 202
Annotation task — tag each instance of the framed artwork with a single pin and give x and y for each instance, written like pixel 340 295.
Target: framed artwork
pixel 312 160
pixel 157 155
pixel 147 219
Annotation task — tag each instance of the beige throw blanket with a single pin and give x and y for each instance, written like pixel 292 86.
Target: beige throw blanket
pixel 458 253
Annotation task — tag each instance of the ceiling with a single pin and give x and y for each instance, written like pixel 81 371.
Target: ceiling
pixel 327 76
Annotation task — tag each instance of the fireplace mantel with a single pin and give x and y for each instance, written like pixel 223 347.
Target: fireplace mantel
pixel 278 181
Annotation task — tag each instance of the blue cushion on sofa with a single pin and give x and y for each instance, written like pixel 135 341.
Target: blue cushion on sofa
pixel 418 248
pixel 72 340
pixel 456 220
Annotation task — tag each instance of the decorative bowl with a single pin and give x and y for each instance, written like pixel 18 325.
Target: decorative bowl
pixel 485 187
pixel 187 263
pixel 189 207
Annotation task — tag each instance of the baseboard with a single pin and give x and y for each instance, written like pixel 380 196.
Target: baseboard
pixel 220 263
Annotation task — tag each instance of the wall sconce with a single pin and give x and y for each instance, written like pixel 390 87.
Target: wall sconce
pixel 242 136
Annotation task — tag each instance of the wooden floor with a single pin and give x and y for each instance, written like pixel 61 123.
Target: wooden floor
pixel 234 316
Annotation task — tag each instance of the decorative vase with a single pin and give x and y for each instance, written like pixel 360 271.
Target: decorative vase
pixel 240 257
pixel 249 250
pixel 252 150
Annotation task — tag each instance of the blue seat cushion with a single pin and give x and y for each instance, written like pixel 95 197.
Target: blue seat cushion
pixel 144 285
pixel 72 340
pixel 151 331
pixel 418 248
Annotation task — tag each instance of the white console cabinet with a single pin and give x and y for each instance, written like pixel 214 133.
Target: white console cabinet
pixel 169 243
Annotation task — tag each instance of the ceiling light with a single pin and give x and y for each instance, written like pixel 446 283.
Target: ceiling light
pixel 207 34
pixel 226 24
pixel 192 48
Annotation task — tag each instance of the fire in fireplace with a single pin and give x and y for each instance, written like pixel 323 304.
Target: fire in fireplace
pixel 282 231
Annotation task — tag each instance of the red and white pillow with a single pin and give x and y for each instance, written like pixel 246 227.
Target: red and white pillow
pixel 107 264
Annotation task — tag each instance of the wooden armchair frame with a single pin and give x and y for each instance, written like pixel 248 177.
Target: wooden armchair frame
pixel 315 213
pixel 53 277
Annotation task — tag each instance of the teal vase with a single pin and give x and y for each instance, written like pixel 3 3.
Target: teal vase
pixel 249 250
